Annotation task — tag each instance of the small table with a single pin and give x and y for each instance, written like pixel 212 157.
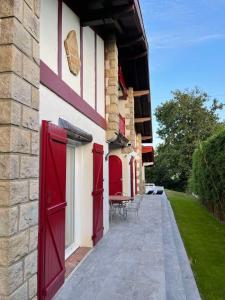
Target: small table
pixel 120 200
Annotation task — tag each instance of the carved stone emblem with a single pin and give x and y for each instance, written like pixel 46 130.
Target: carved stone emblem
pixel 72 52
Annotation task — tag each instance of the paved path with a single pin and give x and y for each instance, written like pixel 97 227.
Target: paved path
pixel 136 260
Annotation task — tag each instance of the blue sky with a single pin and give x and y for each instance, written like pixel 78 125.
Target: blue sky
pixel 186 46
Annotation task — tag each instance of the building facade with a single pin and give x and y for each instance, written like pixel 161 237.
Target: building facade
pixel 74 113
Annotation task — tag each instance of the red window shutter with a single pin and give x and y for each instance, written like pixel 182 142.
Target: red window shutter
pixel 51 248
pixel 135 177
pixel 97 193
pixel 131 177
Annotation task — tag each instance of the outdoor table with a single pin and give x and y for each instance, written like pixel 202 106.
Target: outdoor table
pixel 120 200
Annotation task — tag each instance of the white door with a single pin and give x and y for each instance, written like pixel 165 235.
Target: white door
pixel 71 243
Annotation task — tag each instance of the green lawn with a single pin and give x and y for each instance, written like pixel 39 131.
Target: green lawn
pixel 204 239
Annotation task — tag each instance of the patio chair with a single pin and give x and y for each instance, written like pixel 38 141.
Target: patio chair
pixel 132 207
pixel 112 210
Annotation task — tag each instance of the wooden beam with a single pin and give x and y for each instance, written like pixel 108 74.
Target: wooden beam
pixel 103 16
pixel 131 42
pixel 141 93
pixel 142 120
pixel 148 137
pixel 140 55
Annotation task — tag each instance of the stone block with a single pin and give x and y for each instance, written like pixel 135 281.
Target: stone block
pixel 37 7
pixel 34 189
pixel 29 167
pixel 13 32
pixel 8 221
pixel 11 278
pixel 10 59
pixel 112 108
pixel 9 166
pixel 20 140
pixel 33 238
pixel 30 3
pixel 113 117
pixel 35 98
pixel 36 52
pixel 28 215
pixel 14 87
pixel 113 126
pixel 31 22
pixel 14 248
pixel 113 72
pixel 30 265
pixel 21 293
pixel 13 192
pixel 32 284
pixel 114 99
pixel 30 118
pixel 31 71
pixel 112 90
pixel 11 8
pixel 14 139
pixel 35 140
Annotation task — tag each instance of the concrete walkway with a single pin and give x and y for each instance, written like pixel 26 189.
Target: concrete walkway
pixel 137 259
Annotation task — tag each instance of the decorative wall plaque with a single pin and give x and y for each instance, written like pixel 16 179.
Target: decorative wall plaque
pixel 72 52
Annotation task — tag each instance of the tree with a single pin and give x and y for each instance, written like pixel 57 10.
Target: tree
pixel 184 121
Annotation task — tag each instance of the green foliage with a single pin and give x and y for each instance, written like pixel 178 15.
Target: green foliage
pixel 203 236
pixel 183 121
pixel 208 173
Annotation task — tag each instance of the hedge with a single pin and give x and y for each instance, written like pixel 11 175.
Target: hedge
pixel 208 173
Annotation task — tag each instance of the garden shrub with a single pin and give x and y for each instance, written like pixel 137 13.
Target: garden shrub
pixel 208 173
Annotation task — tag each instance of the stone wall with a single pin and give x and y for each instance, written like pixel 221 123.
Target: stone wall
pixel 19 148
pixel 111 88
pixel 129 121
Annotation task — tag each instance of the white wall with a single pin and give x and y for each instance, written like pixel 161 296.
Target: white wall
pixel 49 33
pixel 49 53
pixel 100 77
pixel 51 108
pixel 89 66
pixel 70 21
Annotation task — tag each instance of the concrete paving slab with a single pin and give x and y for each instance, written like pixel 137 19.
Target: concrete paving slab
pixel 127 263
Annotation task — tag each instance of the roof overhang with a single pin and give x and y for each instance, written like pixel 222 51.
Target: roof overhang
pixel 123 19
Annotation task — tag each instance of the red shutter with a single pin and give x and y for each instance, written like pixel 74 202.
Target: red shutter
pixel 131 177
pixel 51 248
pixel 97 193
pixel 135 177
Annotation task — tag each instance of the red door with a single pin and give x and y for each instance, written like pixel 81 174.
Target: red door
pixel 97 193
pixel 131 177
pixel 135 177
pixel 51 248
pixel 115 175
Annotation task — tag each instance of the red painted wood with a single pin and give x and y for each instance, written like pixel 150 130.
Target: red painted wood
pixel 97 193
pixel 135 177
pixel 121 125
pixel 54 83
pixel 115 175
pixel 132 177
pixel 51 239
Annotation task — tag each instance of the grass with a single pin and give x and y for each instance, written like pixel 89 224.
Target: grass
pixel 204 239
